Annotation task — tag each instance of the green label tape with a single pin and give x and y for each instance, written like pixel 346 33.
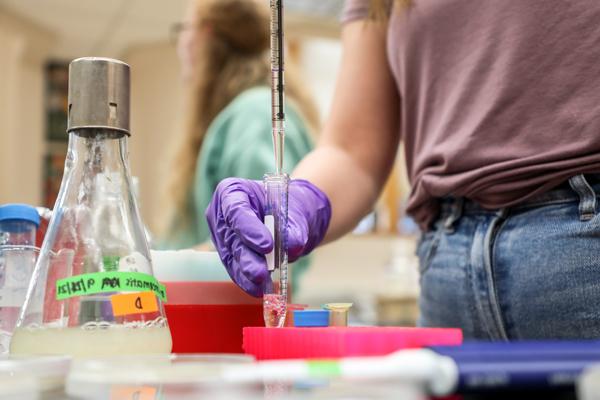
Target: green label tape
pixel 322 369
pixel 104 282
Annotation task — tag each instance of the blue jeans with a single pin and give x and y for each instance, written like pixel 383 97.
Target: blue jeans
pixel 531 271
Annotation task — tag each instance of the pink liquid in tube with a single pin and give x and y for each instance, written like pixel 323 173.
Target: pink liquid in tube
pixel 274 310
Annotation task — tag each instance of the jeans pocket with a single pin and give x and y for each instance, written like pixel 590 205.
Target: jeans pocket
pixel 426 248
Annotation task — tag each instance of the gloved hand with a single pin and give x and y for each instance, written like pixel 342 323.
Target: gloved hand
pixel 235 217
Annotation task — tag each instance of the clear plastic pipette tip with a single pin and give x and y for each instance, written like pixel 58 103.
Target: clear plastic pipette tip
pixel 275 297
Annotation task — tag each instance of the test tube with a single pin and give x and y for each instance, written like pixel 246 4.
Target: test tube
pixel 276 211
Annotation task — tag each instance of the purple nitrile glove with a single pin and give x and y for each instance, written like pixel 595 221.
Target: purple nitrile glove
pixel 235 217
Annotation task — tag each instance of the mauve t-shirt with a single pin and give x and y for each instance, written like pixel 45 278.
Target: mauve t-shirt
pixel 500 99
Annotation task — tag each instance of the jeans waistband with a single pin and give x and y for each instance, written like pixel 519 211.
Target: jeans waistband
pixel 582 188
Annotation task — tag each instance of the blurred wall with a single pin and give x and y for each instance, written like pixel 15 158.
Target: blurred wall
pixel 319 63
pixel 156 115
pixel 23 51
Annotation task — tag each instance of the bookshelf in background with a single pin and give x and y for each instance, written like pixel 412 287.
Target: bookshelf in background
pixel 56 77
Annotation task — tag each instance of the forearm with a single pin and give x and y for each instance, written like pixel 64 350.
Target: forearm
pixel 351 189
pixel 358 145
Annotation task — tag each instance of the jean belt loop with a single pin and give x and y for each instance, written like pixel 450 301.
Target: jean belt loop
pixel 502 213
pixel 455 214
pixel 587 197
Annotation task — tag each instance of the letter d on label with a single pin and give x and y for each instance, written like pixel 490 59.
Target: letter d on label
pixel 133 303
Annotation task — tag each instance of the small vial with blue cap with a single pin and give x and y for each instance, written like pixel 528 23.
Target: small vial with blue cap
pixel 18 226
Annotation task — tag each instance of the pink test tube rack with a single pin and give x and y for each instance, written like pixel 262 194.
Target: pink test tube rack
pixel 337 342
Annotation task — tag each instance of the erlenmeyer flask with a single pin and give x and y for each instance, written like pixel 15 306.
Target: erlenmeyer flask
pixel 93 291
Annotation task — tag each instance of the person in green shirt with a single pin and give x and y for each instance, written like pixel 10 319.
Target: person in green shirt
pixel 224 50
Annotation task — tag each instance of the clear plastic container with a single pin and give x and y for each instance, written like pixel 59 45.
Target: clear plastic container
pixel 165 377
pixel 206 376
pixel 33 377
pixel 18 225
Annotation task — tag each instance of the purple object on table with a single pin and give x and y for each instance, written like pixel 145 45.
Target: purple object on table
pixel 539 365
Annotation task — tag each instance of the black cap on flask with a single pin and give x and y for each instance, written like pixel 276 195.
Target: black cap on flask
pixel 98 94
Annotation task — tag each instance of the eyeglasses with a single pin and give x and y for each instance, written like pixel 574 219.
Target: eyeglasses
pixel 179 27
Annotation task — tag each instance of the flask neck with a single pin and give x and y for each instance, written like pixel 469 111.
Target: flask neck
pixel 98 150
pixel 96 195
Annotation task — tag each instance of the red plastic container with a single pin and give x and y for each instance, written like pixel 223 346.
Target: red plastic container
pixel 208 317
pixel 335 342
